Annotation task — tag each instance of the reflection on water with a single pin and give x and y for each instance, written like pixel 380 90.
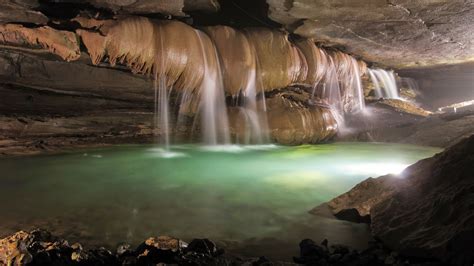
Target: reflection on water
pixel 231 194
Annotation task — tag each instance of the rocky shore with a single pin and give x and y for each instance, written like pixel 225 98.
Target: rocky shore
pixel 426 211
pixel 39 247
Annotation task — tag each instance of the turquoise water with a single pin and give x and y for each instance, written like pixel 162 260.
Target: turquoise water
pixel 238 196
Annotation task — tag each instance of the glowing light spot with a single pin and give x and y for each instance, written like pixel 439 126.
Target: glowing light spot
pixel 375 169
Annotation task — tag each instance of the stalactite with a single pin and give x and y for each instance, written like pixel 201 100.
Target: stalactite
pixel 204 63
pixel 316 59
pixel 133 42
pixel 279 62
pixel 237 57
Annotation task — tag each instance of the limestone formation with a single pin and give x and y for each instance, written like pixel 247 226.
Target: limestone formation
pixel 61 43
pixel 293 121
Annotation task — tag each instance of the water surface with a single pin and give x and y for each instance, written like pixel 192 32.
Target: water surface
pixel 238 196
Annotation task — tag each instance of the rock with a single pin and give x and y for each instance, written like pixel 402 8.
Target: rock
pixel 291 119
pixel 13 249
pixel 207 6
pixel 403 106
pixel 295 121
pixel 21 12
pixel 442 85
pixel 39 247
pixel 426 211
pixel 352 215
pixel 385 123
pixel 395 33
pixel 204 246
pixel 123 249
pixel 167 7
pixel 358 201
pixel 442 193
pixel 61 43
pixel 162 249
pixel 311 253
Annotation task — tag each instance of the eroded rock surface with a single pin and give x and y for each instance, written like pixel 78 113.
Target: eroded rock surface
pixel 389 121
pixel 395 33
pixel 427 210
pixel 61 43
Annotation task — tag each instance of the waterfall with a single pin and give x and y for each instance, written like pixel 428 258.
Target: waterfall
pixel 255 115
pixel 384 82
pixel 239 67
pixel 357 85
pixel 161 114
pixel 161 98
pixel 215 125
pixel 202 67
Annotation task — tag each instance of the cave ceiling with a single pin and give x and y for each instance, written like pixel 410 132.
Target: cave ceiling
pixel 390 33
pixel 395 33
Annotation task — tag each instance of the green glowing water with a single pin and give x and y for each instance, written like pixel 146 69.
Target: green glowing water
pixel 234 195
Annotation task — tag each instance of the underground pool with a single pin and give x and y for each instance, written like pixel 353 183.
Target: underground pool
pixel 239 196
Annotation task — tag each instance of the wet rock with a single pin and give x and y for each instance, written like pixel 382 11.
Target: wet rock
pixel 39 247
pixel 441 189
pixel 426 211
pixel 162 249
pixel 13 249
pixel 403 106
pixel 204 246
pixel 385 123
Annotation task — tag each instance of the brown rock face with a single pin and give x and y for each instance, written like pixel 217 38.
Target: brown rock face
pixel 434 215
pixel 396 33
pixel 293 121
pixel 61 43
pixel 427 210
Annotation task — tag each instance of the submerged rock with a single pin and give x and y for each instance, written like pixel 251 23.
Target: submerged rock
pixel 427 210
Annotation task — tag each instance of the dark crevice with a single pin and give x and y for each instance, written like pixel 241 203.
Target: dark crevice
pixel 237 14
pixel 68 9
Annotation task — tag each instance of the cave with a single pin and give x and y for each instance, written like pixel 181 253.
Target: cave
pixel 226 132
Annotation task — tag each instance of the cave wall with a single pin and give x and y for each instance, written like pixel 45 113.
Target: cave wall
pixel 443 85
pixel 43 95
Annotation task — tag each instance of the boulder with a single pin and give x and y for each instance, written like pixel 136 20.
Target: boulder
pixel 427 210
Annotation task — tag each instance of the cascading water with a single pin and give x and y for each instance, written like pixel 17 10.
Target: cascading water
pixel 161 113
pixel 357 85
pixel 239 63
pixel 384 82
pixel 255 116
pixel 161 97
pixel 215 125
pixel 254 62
pixel 331 92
